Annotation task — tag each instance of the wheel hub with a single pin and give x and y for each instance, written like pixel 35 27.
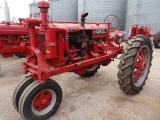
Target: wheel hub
pixel 140 65
pixel 42 100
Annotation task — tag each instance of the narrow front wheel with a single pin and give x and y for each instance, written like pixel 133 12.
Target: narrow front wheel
pixel 40 102
pixel 19 90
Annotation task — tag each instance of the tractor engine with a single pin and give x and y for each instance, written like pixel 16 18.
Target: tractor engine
pixel 81 41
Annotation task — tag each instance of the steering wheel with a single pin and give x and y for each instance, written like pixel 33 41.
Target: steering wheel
pixel 113 21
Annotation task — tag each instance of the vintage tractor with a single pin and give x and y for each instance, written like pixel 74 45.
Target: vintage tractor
pixel 75 47
pixel 156 40
pixel 14 39
pixel 143 30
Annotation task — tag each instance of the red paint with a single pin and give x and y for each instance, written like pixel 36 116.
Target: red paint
pixel 42 100
pixel 143 30
pixel 56 51
pixel 139 66
pixel 14 38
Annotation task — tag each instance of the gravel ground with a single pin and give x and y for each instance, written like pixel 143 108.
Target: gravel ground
pixel 95 98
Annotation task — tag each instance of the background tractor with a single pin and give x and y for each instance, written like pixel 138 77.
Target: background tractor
pixel 143 30
pixel 14 39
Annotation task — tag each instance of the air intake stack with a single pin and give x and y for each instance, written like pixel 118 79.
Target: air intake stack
pixel 43 5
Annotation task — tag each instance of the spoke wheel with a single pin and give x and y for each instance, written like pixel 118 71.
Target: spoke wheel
pixel 156 40
pixel 135 64
pixel 141 66
pixel 91 71
pixel 19 90
pixel 40 102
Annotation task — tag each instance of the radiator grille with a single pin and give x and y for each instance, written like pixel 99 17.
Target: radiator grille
pixel 42 47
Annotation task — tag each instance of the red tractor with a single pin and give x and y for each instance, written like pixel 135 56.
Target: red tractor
pixel 75 47
pixel 143 30
pixel 14 39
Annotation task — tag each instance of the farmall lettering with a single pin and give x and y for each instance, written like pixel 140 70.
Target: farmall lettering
pixel 97 32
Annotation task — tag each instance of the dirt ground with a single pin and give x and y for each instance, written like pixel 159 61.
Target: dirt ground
pixel 95 98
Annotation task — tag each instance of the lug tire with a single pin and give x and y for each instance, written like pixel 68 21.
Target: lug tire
pixel 91 72
pixel 128 60
pixel 156 40
pixel 19 90
pixel 29 96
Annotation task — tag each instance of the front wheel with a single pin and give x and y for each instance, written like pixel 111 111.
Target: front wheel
pixel 40 102
pixel 19 90
pixel 135 65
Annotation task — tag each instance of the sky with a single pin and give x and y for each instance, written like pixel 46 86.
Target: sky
pixel 18 8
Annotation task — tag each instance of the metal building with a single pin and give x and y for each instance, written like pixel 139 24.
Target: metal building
pixel 99 9
pixel 34 10
pixel 143 12
pixel 65 10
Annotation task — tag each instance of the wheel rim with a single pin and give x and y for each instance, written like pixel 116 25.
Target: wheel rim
pixel 141 66
pixel 44 102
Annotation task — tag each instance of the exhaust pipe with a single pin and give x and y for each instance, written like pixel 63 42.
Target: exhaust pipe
pixel 83 19
pixel 7 13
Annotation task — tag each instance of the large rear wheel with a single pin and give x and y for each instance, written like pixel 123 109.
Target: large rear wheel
pixel 135 64
pixel 40 102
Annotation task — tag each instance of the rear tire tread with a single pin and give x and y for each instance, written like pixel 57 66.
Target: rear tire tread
pixel 127 61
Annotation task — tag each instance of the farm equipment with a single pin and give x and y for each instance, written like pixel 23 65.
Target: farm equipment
pixel 14 39
pixel 75 47
pixel 143 30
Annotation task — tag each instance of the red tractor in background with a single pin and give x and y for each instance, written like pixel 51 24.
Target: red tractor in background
pixel 143 30
pixel 75 47
pixel 14 39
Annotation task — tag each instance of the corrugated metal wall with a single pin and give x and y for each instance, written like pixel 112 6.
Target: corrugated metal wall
pixel 81 5
pixel 143 12
pixel 99 9
pixel 66 10
pixel 34 10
